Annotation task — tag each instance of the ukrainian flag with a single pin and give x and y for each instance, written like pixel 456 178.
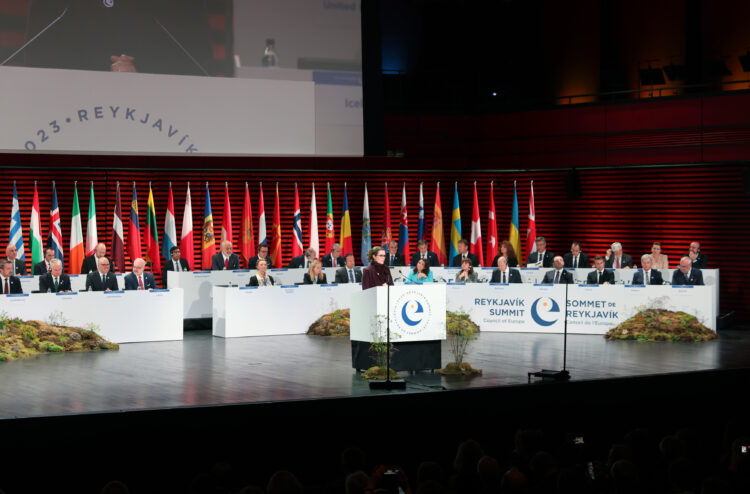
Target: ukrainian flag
pixel 514 236
pixel 455 226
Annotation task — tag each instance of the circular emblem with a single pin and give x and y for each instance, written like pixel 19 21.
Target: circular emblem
pixel 411 313
pixel 108 3
pixel 543 315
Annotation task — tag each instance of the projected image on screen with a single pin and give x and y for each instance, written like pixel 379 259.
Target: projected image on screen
pixel 250 77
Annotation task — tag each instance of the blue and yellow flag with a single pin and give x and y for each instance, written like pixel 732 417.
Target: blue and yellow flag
pixel 208 241
pixel 455 226
pixel 514 237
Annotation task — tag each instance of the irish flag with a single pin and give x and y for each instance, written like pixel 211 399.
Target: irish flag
pixel 76 236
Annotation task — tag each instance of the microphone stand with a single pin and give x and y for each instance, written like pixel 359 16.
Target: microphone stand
pixel 388 384
pixel 34 38
pixel 561 375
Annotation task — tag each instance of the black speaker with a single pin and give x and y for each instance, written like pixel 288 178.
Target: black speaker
pixel 573 184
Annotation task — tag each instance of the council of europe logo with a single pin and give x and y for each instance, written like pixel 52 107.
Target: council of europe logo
pixel 412 312
pixel 549 308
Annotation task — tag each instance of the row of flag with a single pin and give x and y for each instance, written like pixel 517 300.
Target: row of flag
pixel 78 249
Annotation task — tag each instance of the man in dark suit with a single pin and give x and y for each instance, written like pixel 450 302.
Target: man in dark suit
pixel 393 257
pixel 304 260
pixel 333 258
pixel 8 283
pixel 575 258
pixel 646 275
pixel 138 279
pixel 19 266
pixel 559 274
pixel 55 280
pixel 348 274
pixel 616 258
pixel 686 274
pixel 504 274
pixel 463 253
pixel 541 258
pixel 262 254
pixel 423 253
pixel 600 276
pixel 174 264
pixel 91 263
pixel 698 259
pixel 225 260
pixel 102 280
pixel 43 267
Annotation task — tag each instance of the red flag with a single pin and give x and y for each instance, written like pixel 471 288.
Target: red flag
pixel 276 233
pixel 118 244
pixel 476 230
pixel 492 247
pixel 134 229
pixel 247 239
pixel 531 232
pixel 297 226
pixel 437 242
pixel 226 220
pixel 387 235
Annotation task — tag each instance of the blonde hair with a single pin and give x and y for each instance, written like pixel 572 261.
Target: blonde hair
pixel 313 264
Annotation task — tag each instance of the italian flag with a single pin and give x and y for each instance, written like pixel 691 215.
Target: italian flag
pixel 34 229
pixel 76 237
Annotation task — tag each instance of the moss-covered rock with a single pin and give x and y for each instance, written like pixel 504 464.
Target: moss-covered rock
pixel 334 324
pixel 454 369
pixel 377 372
pixel 661 325
pixel 21 339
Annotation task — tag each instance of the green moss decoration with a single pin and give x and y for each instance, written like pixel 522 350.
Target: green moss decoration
pixel 378 372
pixel 334 324
pixel 462 369
pixel 662 325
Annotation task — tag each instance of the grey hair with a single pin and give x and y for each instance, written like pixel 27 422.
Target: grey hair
pixel 647 256
pixel 616 246
pixel 55 262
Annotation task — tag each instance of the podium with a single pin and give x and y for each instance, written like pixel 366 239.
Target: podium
pixel 416 315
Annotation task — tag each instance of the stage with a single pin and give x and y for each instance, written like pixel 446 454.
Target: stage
pixel 205 371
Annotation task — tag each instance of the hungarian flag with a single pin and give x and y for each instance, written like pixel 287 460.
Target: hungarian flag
pixel 55 229
pixel 437 242
pixel 208 242
pixel 297 230
pixel 330 235
pixel 262 238
pixel 77 253
pixel 276 233
pixel 345 235
pixel 492 247
pixel 170 228
pixel 313 238
pixel 247 239
pixel 187 249
pixel 514 236
pixel 403 229
pixel 366 230
pixel 152 235
pixel 476 230
pixel 531 231
pixel 118 238
pixel 134 229
pixel 91 240
pixel 387 235
pixel 226 220
pixel 420 222
pixel 35 233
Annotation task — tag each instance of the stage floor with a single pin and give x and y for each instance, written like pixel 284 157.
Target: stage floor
pixel 202 370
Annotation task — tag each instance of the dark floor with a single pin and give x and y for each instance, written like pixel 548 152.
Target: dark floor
pixel 203 370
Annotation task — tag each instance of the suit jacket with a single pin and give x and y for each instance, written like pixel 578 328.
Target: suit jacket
pixel 297 262
pixel 14 284
pixel 40 268
pixel 47 283
pixel 328 261
pixel 94 281
pixel 456 262
pixel 656 278
pixel 626 261
pixel 89 265
pixel 253 262
pixel 593 277
pixel 19 267
pixel 565 277
pixel 583 260
pixel 254 280
pixel 700 261
pixel 514 276
pixel 432 258
pixel 695 277
pixel 342 276
pixel 306 280
pixel 131 281
pixel 217 262
pixel 512 262
pixel 398 259
pixel 546 260
pixel 169 266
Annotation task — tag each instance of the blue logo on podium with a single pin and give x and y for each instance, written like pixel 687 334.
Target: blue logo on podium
pixel 413 308
pixel 549 306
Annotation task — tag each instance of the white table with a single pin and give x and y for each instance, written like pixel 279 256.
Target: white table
pixel 123 316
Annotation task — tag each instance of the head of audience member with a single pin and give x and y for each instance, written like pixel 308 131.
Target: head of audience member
pixel 315 270
pixel 262 251
pixel 502 263
pixel 103 265
pixel 175 253
pixel 575 248
pixel 422 266
pixel 506 249
pixel 261 266
pixel 336 251
pixel 467 457
pixel 6 268
pixel 56 267
pixel 100 251
pixel 656 249
pixel 393 247
pixel 429 471
pixel 138 266
pixel 311 254
pixel 356 483
pixel 353 459
pixel 49 254
pixel 599 263
pixel 466 265
pixel 349 260
pixel 489 474
pixel 558 263
pixel 283 482
pixel 11 252
pixel 695 248
pixel 422 246
pixel 226 248
pixel 685 265
pixel 647 261
pixel 541 244
pixel 115 487
pixel 624 476
pixel 463 246
pixel 514 482
pixel 376 255
pixel 616 249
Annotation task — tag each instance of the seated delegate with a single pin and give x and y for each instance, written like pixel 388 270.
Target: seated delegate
pixel 261 278
pixel 315 275
pixel 421 273
pixel 467 273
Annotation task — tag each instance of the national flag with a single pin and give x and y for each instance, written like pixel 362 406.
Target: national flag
pixel 118 237
pixel 437 242
pixel 403 228
pixel 208 241
pixel 226 220
pixel 247 239
pixel 187 246
pixel 152 235
pixel 330 234
pixel 35 234
pixel 455 224
pixel 420 222
pixel 276 233
pixel 492 247
pixel 297 230
pixel 16 228
pixel 54 240
pixel 77 253
pixel 387 235
pixel 514 237
pixel 134 229
pixel 314 239
pixel 262 238
pixel 366 230
pixel 476 230
pixel 531 231
pixel 170 228
pixel 91 240
pixel 345 232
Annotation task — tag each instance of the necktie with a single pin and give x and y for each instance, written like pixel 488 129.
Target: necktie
pixel 177 266
pixel 57 286
pixel 351 276
pixel 575 262
pixel 617 265
pixel 103 283
pixel 307 264
pixel 392 256
pixel 502 279
pixel 557 277
pixel 645 278
pixel 140 281
pixel 226 263
pixel 599 278
pixel 7 290
pixel 47 267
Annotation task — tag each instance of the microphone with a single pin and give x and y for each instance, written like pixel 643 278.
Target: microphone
pixel 192 59
pixel 55 21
